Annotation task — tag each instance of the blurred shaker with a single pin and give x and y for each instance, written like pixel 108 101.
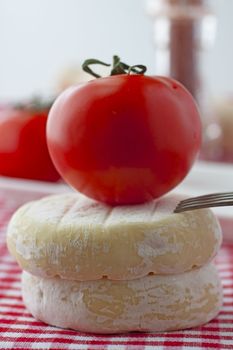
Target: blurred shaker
pixel 184 30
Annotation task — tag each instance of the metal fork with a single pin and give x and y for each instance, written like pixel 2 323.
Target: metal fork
pixel 207 201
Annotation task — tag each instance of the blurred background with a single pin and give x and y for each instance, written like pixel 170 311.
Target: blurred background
pixel 43 44
pixel 40 38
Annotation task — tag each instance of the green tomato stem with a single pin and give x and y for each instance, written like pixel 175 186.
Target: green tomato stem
pixel 118 67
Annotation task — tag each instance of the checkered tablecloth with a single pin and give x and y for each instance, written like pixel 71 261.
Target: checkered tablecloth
pixel 19 330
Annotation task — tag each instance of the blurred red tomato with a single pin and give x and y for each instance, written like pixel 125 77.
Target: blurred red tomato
pixel 23 147
pixel 124 139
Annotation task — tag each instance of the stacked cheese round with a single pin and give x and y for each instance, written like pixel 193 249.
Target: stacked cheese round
pixel 102 269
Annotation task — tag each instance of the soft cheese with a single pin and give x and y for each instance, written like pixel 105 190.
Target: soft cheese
pixel 151 303
pixel 76 238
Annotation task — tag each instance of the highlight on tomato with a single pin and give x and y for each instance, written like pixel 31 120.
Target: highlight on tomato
pixel 124 139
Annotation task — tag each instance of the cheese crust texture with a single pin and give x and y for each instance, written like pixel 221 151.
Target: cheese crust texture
pixel 76 238
pixel 151 303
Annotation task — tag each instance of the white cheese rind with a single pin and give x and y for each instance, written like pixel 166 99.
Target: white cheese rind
pixel 151 303
pixel 76 238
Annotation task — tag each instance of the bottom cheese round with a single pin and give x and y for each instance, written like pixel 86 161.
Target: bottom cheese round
pixel 152 303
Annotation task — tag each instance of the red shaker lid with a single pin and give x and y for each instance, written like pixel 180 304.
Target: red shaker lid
pixel 185 2
pixel 173 8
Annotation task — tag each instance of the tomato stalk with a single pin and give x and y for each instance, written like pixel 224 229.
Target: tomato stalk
pixel 36 104
pixel 118 67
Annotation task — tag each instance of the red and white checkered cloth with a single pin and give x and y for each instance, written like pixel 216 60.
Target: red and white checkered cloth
pixel 19 330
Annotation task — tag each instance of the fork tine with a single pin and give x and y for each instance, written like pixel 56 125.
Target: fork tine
pixel 200 205
pixel 206 204
pixel 227 195
pixel 206 201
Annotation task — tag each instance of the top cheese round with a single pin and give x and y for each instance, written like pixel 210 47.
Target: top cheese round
pixel 76 238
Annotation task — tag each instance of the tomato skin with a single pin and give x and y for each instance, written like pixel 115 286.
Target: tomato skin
pixel 23 147
pixel 124 139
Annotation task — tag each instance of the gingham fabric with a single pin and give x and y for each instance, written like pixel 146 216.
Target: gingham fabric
pixel 19 330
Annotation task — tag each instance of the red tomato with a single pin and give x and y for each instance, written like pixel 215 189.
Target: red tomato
pixel 23 147
pixel 124 139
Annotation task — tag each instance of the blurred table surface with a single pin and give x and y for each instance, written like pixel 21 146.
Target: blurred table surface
pixel 19 330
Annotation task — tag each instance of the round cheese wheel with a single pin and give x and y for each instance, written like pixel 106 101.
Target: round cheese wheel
pixel 76 238
pixel 151 303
